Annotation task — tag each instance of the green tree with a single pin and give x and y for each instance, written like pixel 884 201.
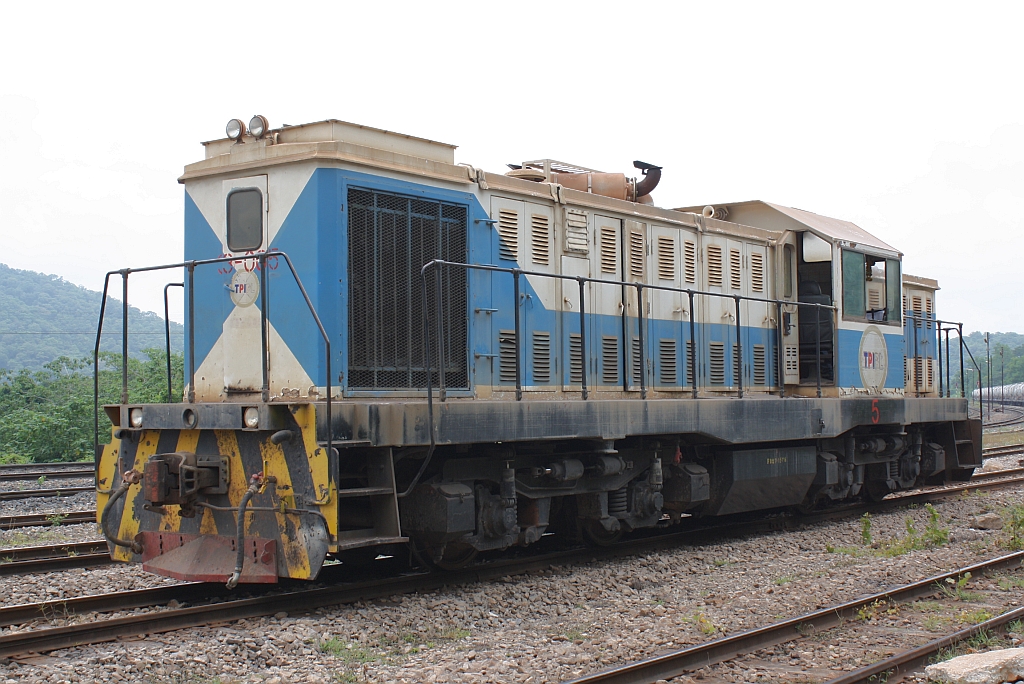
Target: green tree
pixel 47 415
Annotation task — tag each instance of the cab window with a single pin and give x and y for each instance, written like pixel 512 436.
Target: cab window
pixel 245 220
pixel 871 287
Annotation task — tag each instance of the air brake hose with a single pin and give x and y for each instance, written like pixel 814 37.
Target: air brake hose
pixel 131 477
pixel 255 482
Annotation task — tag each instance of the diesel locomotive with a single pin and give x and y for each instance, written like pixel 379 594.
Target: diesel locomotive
pixel 386 349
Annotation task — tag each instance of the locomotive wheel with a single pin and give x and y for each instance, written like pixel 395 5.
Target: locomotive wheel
pixel 456 556
pixel 875 490
pixel 595 533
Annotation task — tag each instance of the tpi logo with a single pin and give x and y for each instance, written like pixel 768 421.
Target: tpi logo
pixel 873 361
pixel 244 288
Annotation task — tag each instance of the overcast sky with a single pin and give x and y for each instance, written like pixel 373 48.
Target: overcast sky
pixel 903 118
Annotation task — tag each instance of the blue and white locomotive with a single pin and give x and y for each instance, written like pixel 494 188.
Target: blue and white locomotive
pixel 388 348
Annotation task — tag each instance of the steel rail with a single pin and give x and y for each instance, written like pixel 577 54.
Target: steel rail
pixel 913 660
pixel 50 465
pixel 10 522
pixel 42 493
pixel 686 660
pixel 69 562
pixel 21 553
pixel 80 473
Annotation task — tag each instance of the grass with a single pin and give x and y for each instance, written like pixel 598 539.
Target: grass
pixel 876 610
pixel 721 562
pixel 703 623
pixel 934 535
pixel 784 579
pixel 1008 583
pixel 56 519
pixel 1013 527
pixel 974 617
pixel 982 641
pixel 998 439
pixel 956 589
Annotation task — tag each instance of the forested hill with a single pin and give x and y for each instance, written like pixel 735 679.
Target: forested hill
pixel 44 316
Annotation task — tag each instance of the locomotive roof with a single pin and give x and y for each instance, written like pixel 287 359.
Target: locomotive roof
pixel 778 217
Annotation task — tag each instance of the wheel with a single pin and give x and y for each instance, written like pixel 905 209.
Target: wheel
pixel 456 556
pixel 875 490
pixel 595 533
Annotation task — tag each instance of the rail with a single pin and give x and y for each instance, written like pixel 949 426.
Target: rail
pixel 190 267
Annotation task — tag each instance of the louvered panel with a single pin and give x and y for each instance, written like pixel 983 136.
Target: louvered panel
pixel 714 266
pixel 917 381
pixel 930 375
pixel 575 359
pixel 540 239
pixel 666 258
pixel 636 253
pixel 735 269
pixel 610 360
pixel 634 361
pixel 760 374
pixel 737 365
pixel 609 250
pixel 688 360
pixel 576 232
pixel 669 374
pixel 507 356
pixel 874 299
pixel 541 357
pixel 792 359
pixel 508 234
pixel 928 311
pixel 904 302
pixel 716 363
pixel 690 262
pixel 757 272
pixel 917 307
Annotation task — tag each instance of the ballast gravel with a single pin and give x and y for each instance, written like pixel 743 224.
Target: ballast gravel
pixel 549 626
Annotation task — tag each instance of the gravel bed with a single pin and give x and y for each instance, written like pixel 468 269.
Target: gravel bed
pixel 48 483
pixel 51 534
pixel 546 627
pixel 82 501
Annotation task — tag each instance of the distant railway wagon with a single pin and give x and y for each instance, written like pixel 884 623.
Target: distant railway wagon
pixel 388 349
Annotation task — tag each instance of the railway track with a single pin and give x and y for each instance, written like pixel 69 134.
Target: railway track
pixel 1009 450
pixel 685 660
pixel 48 558
pixel 10 522
pixel 47 474
pixel 286 597
pixel 43 493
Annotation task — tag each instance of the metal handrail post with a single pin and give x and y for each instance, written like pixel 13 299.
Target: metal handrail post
pixel 780 350
pixel 817 345
pixel 917 355
pixel 963 381
pixel 264 342
pixel 583 337
pixel 693 345
pixel 515 294
pixel 442 381
pixel 96 372
pixel 167 339
pixel 938 336
pixel 738 365
pixel 191 332
pixel 640 337
pixel 124 336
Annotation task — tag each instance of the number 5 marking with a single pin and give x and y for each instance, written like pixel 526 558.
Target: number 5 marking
pixel 874 411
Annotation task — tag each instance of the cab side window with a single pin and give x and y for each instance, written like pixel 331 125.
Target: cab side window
pixel 245 220
pixel 871 287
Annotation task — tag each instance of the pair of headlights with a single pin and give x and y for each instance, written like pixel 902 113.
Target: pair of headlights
pixel 258 127
pixel 250 416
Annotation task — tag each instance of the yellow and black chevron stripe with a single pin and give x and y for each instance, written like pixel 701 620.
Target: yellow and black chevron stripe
pixel 303 481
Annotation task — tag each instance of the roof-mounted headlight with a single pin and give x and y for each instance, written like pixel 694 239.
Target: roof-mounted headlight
pixel 258 126
pixel 235 129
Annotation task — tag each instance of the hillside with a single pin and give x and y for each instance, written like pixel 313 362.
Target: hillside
pixel 44 316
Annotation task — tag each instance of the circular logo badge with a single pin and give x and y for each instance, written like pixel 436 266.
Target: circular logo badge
pixel 874 360
pixel 245 287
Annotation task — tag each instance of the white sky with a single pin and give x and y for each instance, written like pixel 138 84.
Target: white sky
pixel 903 118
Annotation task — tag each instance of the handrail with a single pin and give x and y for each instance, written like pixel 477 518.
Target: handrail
pixel 516 273
pixel 167 339
pixel 190 266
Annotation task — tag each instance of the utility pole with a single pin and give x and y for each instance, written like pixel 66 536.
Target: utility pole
pixel 1002 381
pixel 988 368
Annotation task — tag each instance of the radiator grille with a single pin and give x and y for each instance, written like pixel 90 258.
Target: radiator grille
pixel 540 240
pixel 507 355
pixel 737 365
pixel 390 237
pixel 760 376
pixel 757 272
pixel 735 269
pixel 669 366
pixel 575 359
pixel 690 261
pixel 634 363
pixel 541 357
pixel 716 363
pixel 714 266
pixel 666 258
pixel 610 360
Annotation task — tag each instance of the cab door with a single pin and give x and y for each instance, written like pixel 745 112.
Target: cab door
pixel 672 264
pixel 245 234
pixel 607 304
pixel 758 320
